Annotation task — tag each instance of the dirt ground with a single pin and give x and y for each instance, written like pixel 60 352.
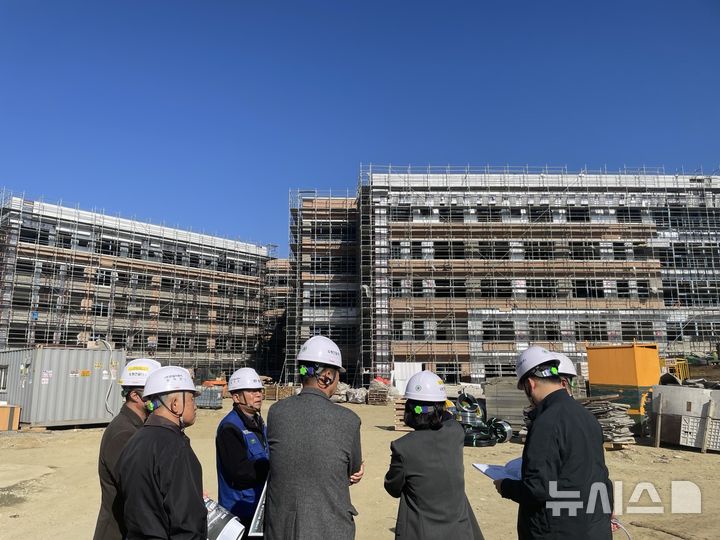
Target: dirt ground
pixel 49 486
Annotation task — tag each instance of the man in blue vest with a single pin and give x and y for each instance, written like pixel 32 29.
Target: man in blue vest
pixel 241 447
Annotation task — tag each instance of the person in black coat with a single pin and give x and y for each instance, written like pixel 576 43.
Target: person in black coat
pixel 129 420
pixel 426 468
pixel 563 457
pixel 159 476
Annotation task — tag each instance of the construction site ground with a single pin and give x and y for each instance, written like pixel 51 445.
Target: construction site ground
pixel 49 486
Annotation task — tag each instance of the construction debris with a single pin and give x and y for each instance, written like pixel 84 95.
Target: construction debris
pixel 702 383
pixel 357 395
pixel 341 393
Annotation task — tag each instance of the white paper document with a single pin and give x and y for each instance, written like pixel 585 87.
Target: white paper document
pixel 512 470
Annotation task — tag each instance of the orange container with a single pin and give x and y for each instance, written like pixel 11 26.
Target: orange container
pixel 627 370
pixel 9 417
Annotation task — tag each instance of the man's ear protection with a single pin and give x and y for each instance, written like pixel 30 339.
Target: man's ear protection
pixel 306 370
pixel 313 371
pixel 152 404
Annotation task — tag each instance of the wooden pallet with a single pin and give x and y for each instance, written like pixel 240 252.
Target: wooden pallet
pixel 276 392
pixel 377 396
pixel 399 415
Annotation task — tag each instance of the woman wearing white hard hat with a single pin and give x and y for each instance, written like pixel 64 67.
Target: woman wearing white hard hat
pixel 131 417
pixel 159 475
pixel 426 468
pixel 241 447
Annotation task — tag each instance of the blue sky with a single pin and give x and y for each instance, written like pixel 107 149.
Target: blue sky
pixel 205 114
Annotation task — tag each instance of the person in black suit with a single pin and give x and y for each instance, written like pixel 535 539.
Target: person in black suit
pixel 426 469
pixel 565 491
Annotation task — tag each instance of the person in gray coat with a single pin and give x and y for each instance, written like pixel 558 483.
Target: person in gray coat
pixel 314 454
pixel 426 468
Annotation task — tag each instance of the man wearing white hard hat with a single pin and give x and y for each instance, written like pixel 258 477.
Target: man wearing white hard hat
pixel 131 417
pixel 241 447
pixel 563 463
pixel 426 468
pixel 315 453
pixel 159 475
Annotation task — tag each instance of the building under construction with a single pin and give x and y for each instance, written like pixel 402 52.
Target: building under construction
pixel 71 277
pixel 274 320
pixel 324 276
pixel 462 268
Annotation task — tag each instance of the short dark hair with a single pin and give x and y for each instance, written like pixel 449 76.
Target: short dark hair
pixel 423 420
pixel 127 390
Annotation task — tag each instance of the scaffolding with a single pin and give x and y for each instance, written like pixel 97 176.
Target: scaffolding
pixel 462 268
pixel 324 276
pixel 71 277
pixel 276 292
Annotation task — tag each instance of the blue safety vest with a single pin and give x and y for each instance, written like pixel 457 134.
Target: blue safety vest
pixel 242 503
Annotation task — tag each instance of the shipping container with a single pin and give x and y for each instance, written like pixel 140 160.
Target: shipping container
pixel 63 387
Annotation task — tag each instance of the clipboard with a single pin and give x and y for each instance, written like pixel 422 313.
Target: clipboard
pixel 258 521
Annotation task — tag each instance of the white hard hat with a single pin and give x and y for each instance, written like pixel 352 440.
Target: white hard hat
pixel 533 357
pixel 136 372
pixel 567 366
pixel 244 379
pixel 321 350
pixel 425 386
pixel 168 379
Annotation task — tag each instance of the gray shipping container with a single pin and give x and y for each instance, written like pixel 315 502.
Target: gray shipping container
pixel 63 387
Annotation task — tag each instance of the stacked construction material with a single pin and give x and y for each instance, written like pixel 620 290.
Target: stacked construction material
pixel 400 416
pixel 504 400
pixel 378 392
pixel 479 430
pixel 210 398
pixel 614 419
pixel 278 392
pixel 378 396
